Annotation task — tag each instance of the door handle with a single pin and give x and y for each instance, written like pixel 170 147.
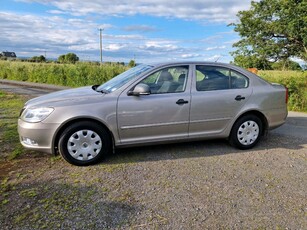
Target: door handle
pixel 239 98
pixel 181 101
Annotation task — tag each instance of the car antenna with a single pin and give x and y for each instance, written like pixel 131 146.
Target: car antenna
pixel 217 59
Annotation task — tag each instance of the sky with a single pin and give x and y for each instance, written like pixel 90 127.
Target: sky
pixel 143 30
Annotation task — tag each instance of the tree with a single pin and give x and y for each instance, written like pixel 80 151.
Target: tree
pixel 61 58
pixel 71 58
pixel 40 58
pixel 131 63
pixel 252 61
pixel 286 65
pixel 68 58
pixel 273 30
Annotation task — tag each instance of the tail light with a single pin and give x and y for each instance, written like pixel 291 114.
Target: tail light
pixel 287 95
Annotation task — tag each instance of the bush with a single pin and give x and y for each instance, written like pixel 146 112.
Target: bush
pixel 68 58
pixel 295 81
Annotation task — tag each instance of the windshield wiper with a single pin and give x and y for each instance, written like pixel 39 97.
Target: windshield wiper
pixel 94 87
pixel 103 91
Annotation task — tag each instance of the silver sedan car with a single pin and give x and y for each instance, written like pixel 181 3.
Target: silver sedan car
pixel 150 104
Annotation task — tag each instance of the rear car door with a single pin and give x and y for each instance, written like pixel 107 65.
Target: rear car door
pixel 218 94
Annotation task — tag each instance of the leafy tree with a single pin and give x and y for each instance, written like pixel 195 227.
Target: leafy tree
pixel 286 65
pixel 68 58
pixel 273 30
pixel 71 58
pixel 252 62
pixel 40 58
pixel 131 63
pixel 61 58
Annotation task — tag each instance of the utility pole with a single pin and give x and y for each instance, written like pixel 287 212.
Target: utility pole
pixel 100 30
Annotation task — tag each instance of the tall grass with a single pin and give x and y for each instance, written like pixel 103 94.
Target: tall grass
pixel 295 81
pixel 72 75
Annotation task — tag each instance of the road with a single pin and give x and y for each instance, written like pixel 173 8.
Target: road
pixel 295 126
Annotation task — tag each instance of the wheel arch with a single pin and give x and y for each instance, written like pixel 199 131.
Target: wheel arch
pixel 58 133
pixel 260 115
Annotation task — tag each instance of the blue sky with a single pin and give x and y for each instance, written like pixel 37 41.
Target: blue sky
pixel 147 30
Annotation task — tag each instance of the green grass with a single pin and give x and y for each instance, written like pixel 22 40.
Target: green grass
pixel 73 75
pixel 10 106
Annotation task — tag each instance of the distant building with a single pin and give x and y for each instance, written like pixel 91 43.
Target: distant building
pixel 8 54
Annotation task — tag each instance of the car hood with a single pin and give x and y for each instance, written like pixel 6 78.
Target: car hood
pixel 63 97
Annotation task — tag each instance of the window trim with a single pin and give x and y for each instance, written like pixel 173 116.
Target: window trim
pixel 188 66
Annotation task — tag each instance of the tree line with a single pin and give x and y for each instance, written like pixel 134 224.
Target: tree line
pixel 69 58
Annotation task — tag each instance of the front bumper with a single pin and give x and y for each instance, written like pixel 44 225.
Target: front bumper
pixel 37 136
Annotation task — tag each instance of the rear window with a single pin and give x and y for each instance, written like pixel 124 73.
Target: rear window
pixel 218 78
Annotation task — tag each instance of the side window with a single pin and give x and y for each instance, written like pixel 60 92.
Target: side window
pixel 212 78
pixel 238 81
pixel 168 80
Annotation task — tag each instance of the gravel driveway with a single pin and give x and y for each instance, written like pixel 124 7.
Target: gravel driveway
pixel 197 185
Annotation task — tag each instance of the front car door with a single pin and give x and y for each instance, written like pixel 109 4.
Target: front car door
pixel 162 115
pixel 218 93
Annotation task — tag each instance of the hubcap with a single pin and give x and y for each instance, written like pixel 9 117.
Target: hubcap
pixel 84 145
pixel 248 133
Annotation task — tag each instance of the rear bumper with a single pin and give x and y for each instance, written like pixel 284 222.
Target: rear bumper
pixel 276 118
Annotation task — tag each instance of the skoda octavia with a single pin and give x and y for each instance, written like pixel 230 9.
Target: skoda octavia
pixel 154 103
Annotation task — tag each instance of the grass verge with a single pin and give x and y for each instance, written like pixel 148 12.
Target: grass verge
pixel 9 107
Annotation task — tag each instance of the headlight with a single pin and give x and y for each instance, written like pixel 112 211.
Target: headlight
pixel 36 114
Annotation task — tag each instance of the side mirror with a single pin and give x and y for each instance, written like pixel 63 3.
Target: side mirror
pixel 140 89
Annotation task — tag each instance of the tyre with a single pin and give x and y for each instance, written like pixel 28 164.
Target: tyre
pixel 84 143
pixel 246 132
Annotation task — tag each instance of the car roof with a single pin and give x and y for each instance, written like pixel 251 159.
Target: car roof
pixel 220 64
pixel 160 64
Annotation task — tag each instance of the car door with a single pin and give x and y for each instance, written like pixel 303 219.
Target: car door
pixel 161 115
pixel 218 94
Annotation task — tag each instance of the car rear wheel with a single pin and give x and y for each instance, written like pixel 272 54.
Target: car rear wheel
pixel 246 132
pixel 84 143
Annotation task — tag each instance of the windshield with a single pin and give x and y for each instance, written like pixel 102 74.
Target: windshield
pixel 123 78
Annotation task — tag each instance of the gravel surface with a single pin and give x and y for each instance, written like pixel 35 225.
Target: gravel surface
pixel 196 185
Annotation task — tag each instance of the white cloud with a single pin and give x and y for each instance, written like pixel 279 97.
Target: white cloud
pixel 56 12
pixel 62 29
pixel 215 48
pixel 30 35
pixel 114 47
pixel 189 56
pixel 139 28
pixel 214 57
pixel 202 10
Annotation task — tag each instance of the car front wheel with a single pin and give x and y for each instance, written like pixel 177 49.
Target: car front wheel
pixel 246 132
pixel 84 143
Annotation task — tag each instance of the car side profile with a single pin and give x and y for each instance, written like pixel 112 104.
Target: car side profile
pixel 154 103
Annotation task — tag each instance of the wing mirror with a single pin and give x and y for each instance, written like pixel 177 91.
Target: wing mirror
pixel 140 89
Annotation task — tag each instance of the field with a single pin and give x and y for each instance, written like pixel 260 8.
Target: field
pixel 73 75
pixel 82 74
